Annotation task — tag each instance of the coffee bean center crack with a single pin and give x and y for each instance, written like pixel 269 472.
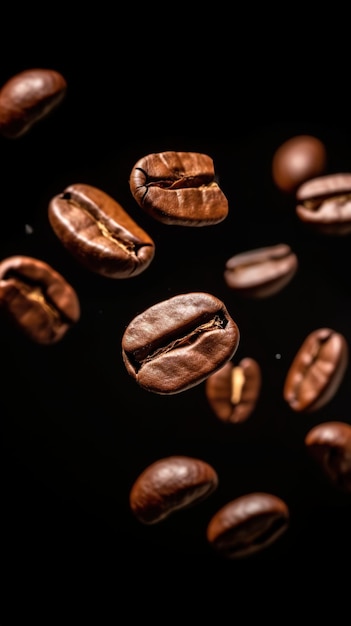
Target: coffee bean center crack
pixel 337 201
pixel 37 293
pixel 94 213
pixel 154 350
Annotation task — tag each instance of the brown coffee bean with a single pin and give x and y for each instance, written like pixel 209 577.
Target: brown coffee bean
pixel 171 484
pixel 179 342
pixel 37 299
pixel 317 370
pixel 233 391
pixel 261 273
pixel 298 159
pixel 324 203
pixel 28 97
pixel 99 233
pixel 179 188
pixel 329 444
pixel 247 525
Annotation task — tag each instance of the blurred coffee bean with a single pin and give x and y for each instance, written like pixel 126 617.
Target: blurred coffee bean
pixel 261 273
pixel 298 159
pixel 247 525
pixel 37 299
pixel 233 391
pixel 317 370
pixel 171 484
pixel 330 446
pixel 324 203
pixel 28 97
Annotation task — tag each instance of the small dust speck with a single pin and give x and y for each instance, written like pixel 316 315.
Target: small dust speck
pixel 28 229
pixel 278 356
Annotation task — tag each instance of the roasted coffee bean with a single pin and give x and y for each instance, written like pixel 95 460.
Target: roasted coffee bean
pixel 99 233
pixel 247 525
pixel 179 342
pixel 171 484
pixel 27 97
pixel 37 299
pixel 317 370
pixel 324 203
pixel 329 444
pixel 262 272
pixel 298 159
pixel 179 188
pixel 233 391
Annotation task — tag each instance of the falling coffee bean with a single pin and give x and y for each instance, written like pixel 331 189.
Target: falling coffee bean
pixel 169 485
pixel 317 370
pixel 247 525
pixel 262 272
pixel 37 299
pixel 177 343
pixel 324 203
pixel 179 188
pixel 28 97
pixel 233 391
pixel 99 233
pixel 329 444
pixel 298 159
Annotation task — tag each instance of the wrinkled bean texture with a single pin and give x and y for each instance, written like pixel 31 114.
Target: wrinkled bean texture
pixel 177 343
pixel 247 525
pixel 233 391
pixel 329 444
pixel 179 188
pixel 317 370
pixel 169 485
pixel 99 233
pixel 37 299
pixel 28 97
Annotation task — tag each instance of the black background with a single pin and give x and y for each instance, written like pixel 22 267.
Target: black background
pixel 76 429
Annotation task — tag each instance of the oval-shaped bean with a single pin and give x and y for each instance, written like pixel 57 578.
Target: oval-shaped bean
pixel 179 342
pixel 298 159
pixel 99 233
pixel 262 272
pixel 28 97
pixel 329 444
pixel 316 371
pixel 233 391
pixel 171 484
pixel 247 525
pixel 37 299
pixel 324 203
pixel 179 188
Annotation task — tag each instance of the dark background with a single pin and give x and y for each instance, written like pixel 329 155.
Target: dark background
pixel 76 430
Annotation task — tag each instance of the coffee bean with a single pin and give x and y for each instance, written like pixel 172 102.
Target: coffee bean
pixel 99 233
pixel 233 391
pixel 179 342
pixel 262 272
pixel 324 203
pixel 329 444
pixel 247 525
pixel 298 159
pixel 28 97
pixel 37 299
pixel 317 370
pixel 169 485
pixel 179 188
